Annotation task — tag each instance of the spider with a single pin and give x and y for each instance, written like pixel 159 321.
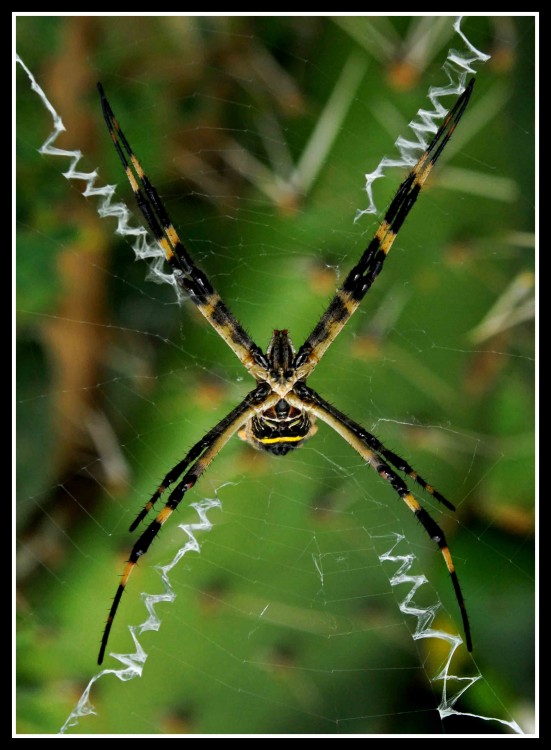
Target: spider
pixel 280 413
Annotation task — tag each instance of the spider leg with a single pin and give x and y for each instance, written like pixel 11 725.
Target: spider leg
pixel 193 454
pixel 361 277
pixel 367 446
pixel 202 454
pixel 188 276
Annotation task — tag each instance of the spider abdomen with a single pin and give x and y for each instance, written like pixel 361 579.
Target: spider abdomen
pixel 279 429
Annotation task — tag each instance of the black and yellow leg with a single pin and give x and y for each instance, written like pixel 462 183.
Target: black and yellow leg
pixel 361 277
pixel 311 397
pixel 357 438
pixel 437 535
pixel 261 397
pixel 187 275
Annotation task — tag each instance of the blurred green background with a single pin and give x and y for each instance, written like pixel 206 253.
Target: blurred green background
pixel 286 622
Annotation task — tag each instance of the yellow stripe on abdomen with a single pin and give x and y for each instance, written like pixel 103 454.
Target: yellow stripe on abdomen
pixel 286 439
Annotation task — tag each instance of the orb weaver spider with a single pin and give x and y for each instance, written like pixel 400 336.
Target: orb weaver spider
pixel 280 413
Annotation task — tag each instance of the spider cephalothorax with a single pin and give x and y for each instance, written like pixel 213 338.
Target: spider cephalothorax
pixel 281 427
pixel 279 414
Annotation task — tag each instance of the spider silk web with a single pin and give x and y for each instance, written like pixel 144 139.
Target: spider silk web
pixel 293 595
